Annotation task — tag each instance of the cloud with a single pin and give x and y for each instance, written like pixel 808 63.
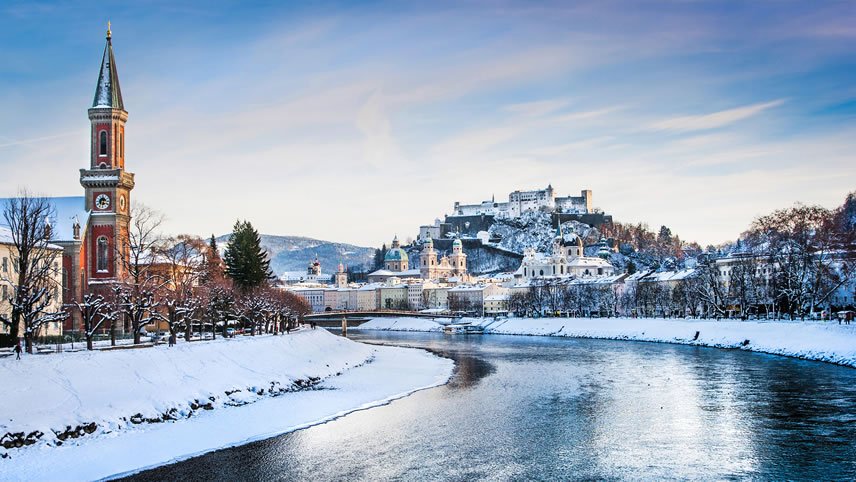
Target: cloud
pixel 713 120
pixel 380 148
pixel 537 108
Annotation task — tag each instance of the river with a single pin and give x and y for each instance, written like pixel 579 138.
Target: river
pixel 556 408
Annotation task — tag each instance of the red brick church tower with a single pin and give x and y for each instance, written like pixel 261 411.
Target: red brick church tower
pixel 106 183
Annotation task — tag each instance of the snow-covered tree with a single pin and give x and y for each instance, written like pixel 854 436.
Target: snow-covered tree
pixel 95 310
pixel 135 295
pixel 800 244
pixel 35 267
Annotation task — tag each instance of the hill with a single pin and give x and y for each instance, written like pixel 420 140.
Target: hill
pixel 293 253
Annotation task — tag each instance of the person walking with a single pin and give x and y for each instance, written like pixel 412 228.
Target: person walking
pixel 18 350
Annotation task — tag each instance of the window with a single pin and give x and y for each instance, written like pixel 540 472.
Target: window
pixel 5 265
pixel 102 149
pixel 101 261
pixel 5 292
pixel 121 145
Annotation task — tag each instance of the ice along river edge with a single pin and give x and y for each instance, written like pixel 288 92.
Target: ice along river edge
pixel 816 341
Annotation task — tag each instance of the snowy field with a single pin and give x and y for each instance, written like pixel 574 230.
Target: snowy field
pixel 51 392
pixel 822 341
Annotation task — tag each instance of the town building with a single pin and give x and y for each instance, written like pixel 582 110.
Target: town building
pixel 471 298
pixel 520 202
pixel 567 259
pixel 7 278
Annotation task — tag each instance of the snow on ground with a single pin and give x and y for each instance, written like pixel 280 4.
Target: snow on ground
pixel 822 341
pixel 52 391
pixel 403 323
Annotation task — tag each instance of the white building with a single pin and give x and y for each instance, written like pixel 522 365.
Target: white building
pixel 567 259
pixel 7 290
pixel 520 202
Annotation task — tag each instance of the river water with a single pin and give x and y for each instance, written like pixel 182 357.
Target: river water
pixel 523 408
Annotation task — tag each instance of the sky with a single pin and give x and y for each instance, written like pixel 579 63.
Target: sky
pixel 357 121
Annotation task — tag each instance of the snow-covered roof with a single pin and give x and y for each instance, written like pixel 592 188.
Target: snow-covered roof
pixel 670 275
pixel 468 288
pixel 107 92
pixel 588 261
pixel 400 274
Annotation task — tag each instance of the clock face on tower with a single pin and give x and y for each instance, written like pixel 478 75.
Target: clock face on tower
pixel 122 202
pixel 102 201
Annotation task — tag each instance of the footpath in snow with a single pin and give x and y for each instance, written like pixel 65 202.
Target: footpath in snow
pixel 810 340
pixel 215 395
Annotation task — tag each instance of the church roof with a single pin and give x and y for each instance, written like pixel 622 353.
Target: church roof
pixel 395 254
pixel 108 94
pixel 67 209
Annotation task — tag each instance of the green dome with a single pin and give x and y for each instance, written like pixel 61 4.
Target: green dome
pixel 456 242
pixel 395 254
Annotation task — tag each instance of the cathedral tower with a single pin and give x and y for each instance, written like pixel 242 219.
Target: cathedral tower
pixel 428 260
pixel 106 183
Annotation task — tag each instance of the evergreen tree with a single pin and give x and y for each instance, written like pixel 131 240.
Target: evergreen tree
pixel 379 256
pixel 247 264
pixel 631 267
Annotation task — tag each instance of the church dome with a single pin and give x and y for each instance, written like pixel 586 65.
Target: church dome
pixel 395 254
pixel 456 242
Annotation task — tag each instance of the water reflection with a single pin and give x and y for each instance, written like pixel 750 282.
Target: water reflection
pixel 540 408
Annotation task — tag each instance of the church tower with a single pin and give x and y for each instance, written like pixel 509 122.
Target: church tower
pixel 106 183
pixel 341 277
pixel 428 260
pixel 458 258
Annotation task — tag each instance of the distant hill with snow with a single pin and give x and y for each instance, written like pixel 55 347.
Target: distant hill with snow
pixel 293 253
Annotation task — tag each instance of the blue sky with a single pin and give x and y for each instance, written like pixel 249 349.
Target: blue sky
pixel 357 121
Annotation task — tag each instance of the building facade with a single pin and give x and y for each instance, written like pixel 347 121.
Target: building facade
pixel 566 260
pixel 520 202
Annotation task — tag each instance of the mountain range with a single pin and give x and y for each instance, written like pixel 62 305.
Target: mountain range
pixel 293 253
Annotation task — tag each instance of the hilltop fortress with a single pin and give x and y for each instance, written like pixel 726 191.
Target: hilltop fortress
pixel 468 220
pixel 521 201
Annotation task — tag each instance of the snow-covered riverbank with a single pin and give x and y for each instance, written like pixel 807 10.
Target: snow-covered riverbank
pixel 822 341
pixel 206 380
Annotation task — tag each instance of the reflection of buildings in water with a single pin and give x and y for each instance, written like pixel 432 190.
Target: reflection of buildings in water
pixel 469 370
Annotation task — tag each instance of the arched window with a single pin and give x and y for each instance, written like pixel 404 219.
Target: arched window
pixel 101 258
pixel 562 269
pixel 541 271
pixel 102 144
pixel 121 145
pixel 524 272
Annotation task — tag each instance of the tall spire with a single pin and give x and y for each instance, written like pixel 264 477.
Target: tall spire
pixel 107 93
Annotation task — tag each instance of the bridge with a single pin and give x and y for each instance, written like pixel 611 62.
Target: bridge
pixel 357 318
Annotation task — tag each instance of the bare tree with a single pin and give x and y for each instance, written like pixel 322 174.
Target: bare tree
pixel 35 267
pixel 709 287
pixel 800 243
pixel 184 259
pixel 141 279
pixel 94 310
